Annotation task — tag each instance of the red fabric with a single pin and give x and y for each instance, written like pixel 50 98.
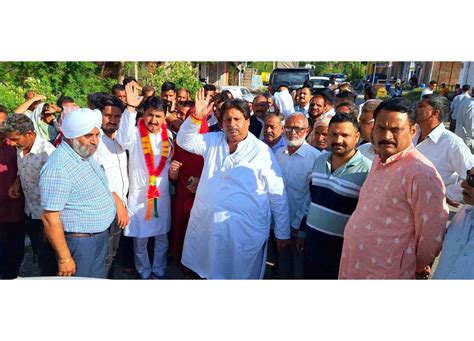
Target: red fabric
pixel 11 210
pixel 183 200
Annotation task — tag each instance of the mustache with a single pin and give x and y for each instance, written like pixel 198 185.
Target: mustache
pixel 337 145
pixel 382 142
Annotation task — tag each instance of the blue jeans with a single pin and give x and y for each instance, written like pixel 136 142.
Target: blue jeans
pixel 89 254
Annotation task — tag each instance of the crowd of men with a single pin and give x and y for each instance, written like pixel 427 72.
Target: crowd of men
pixel 322 187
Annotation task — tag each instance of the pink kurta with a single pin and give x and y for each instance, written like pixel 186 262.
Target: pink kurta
pixel 399 223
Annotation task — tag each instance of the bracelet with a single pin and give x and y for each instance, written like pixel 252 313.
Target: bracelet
pixel 129 105
pixel 65 261
pixel 195 120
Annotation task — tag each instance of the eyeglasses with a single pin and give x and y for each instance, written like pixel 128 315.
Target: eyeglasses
pixel 296 129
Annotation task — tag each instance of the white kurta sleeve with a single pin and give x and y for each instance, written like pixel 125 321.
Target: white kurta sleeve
pixel 278 199
pixel 126 132
pixel 461 160
pixel 189 138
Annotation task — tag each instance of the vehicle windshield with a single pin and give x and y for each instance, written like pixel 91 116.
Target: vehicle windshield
pixel 318 81
pixel 290 77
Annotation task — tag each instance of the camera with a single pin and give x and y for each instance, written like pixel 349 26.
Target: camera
pixel 470 178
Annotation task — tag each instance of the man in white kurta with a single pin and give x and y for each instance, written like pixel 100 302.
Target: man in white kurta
pixel 240 189
pixel 128 136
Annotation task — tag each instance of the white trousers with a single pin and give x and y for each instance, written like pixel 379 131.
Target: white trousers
pixel 142 261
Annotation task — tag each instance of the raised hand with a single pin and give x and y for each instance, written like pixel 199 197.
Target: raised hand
pixel 132 92
pixel 202 104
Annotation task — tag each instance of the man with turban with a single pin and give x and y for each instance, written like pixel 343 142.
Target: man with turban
pixel 78 207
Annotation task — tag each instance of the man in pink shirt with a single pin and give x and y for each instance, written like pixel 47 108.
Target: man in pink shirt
pixel 399 223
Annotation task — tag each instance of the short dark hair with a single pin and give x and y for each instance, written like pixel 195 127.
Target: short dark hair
pixel 118 87
pixel 94 98
pixel 237 104
pixel 64 99
pixel 167 86
pixel 228 94
pixel 109 100
pixel 339 118
pixel 148 88
pixel 371 92
pixel 3 109
pixel 19 122
pixel 127 80
pixel 347 95
pixel 326 94
pixel 185 104
pixel 398 104
pixel 221 97
pixel 156 103
pixel 433 82
pixel 209 87
pixel 466 87
pixel 354 109
pixel 440 103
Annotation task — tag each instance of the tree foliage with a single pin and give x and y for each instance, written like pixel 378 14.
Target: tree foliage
pixel 182 74
pixel 52 79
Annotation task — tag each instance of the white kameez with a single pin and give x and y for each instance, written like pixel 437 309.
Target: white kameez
pixel 129 138
pixel 236 197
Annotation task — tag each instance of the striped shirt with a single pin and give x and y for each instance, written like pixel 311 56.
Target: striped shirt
pixel 334 195
pixel 78 188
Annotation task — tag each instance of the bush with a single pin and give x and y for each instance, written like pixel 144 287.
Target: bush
pixel 52 79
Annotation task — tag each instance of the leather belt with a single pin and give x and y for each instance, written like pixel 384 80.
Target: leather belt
pixel 80 235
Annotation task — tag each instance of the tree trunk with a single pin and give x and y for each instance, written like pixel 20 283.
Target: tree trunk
pixel 121 72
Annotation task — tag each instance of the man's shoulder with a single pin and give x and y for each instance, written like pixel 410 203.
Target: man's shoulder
pixel 418 164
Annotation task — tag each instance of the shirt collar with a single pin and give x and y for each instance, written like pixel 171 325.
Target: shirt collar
pixel 434 135
pixel 302 150
pixel 35 148
pixel 354 160
pixel 72 154
pixel 396 157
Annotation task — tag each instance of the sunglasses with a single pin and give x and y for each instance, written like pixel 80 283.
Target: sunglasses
pixel 296 129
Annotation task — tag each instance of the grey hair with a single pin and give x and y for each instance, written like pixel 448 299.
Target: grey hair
pixel 19 122
pixel 280 117
pixel 440 103
pixel 299 114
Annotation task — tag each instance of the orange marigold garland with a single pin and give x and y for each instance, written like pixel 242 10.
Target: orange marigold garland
pixel 153 193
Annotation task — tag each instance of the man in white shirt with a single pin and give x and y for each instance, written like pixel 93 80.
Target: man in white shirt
pixel 448 153
pixel 456 106
pixel 457 259
pixel 296 162
pixel 113 159
pixel 430 89
pixel 240 189
pixel 149 204
pixel 464 122
pixel 32 154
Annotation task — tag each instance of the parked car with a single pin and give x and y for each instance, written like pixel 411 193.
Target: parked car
pixel 318 82
pixel 238 91
pixel 294 78
pixel 376 78
pixel 340 77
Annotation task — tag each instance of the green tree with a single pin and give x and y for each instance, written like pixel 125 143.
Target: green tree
pixel 183 74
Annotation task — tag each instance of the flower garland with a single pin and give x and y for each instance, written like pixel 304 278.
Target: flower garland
pixel 153 193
